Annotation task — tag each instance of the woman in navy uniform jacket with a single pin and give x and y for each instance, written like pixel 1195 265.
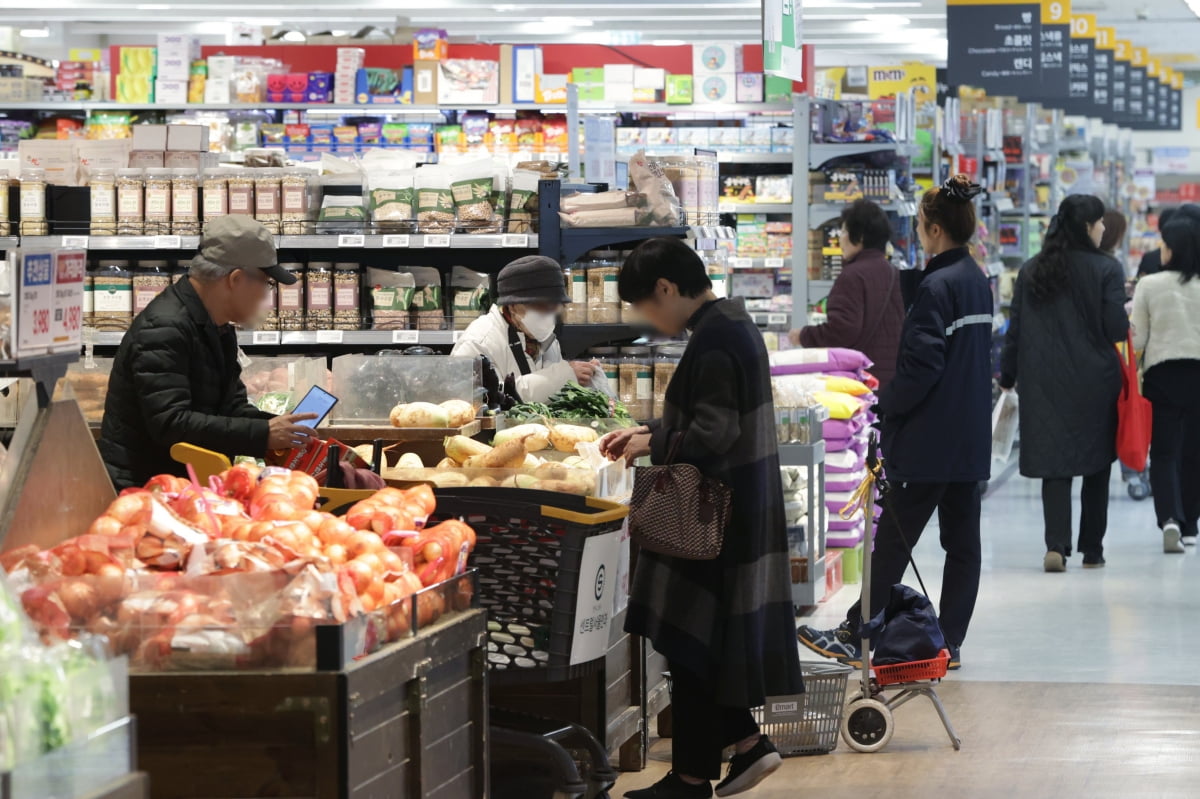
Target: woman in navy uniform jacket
pixel 936 422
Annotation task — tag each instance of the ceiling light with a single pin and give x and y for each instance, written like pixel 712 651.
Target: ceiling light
pixel 294 36
pixel 153 7
pixel 572 22
pixel 1193 6
pixel 35 33
pixel 668 42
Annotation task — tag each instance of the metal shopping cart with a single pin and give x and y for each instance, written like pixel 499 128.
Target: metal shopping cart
pixel 867 724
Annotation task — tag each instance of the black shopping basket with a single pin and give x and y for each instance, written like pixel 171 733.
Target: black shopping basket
pixel 528 554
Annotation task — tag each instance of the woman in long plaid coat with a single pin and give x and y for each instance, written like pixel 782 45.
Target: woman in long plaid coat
pixel 726 626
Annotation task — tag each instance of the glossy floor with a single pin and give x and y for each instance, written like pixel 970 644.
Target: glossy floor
pixel 1083 684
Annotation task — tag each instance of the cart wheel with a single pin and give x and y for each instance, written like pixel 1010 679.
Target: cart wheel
pixel 1138 489
pixel 867 725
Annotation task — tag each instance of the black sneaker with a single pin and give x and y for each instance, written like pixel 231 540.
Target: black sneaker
pixel 955 662
pixel 671 787
pixel 1093 560
pixel 838 643
pixel 748 770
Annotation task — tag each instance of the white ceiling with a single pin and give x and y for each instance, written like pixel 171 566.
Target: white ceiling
pixel 843 31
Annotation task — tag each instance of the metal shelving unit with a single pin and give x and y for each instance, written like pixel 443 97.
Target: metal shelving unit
pixel 807 594
pixel 396 109
pixel 415 241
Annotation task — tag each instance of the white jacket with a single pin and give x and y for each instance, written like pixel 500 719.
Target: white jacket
pixel 1166 318
pixel 488 335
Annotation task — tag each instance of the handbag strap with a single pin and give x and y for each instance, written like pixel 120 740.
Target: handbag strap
pixel 676 443
pixel 518 350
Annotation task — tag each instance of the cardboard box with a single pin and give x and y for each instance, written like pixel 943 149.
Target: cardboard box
pixel 783 139
pixel 649 78
pixel 149 137
pixel 750 87
pixel 146 159
pixel 217 92
pixel 619 73
pixel 190 160
pixel 171 92
pixel 66 320
pixel 101 154
pixel 590 92
pixel 57 158
pixel 35 303
pixel 179 44
pixel 90 55
pixel 584 75
pixel 692 137
pixel 21 90
pixel 527 65
pixel 221 67
pixel 173 67
pixel 618 93
pixel 187 138
pixel 777 89
pixel 552 89
pixel 425 83
pixel 468 82
pixel 680 89
pixel 431 44
pixel 646 95
pixel 716 88
pixel 716 58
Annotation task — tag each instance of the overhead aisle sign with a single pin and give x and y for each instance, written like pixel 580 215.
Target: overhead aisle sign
pixel 1122 53
pixel 1176 100
pixel 995 45
pixel 1137 86
pixel 1164 95
pixel 1081 83
pixel 1103 51
pixel 1055 78
pixel 1150 120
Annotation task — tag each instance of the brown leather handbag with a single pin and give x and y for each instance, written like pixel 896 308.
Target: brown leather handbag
pixel 677 511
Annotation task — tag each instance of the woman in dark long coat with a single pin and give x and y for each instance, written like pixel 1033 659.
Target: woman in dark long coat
pixel 1068 311
pixel 726 626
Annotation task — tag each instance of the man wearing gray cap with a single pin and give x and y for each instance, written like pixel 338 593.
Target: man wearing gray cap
pixel 176 377
pixel 517 335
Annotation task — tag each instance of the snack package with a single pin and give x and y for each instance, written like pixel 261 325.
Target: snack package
pixel 427 312
pixel 340 214
pixel 472 186
pixel 391 298
pixel 435 200
pixel 390 198
pixel 523 201
pixel 468 290
pixel 662 204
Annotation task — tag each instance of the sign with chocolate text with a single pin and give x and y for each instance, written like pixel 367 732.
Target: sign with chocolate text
pixel 995 45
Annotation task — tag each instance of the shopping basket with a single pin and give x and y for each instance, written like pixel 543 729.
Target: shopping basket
pixel 528 553
pixel 814 730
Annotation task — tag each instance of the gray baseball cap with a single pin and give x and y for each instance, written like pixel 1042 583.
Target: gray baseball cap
pixel 240 242
pixel 532 279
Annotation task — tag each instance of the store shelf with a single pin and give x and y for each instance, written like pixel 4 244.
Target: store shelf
pixel 574 242
pixel 455 241
pixel 8 243
pixel 819 153
pixel 773 262
pixel 755 208
pixel 754 158
pixel 779 320
pixel 383 109
pixel 347 338
pixel 821 214
pixel 575 340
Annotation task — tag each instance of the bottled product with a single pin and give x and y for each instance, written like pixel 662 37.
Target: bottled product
pixel 319 307
pixel 149 279
pixel 294 202
pixel 185 195
pixel 158 202
pixel 576 313
pixel 102 188
pixel 88 308
pixel 241 193
pixel 112 296
pixel 291 299
pixel 666 359
pixel 130 202
pixel 603 270
pixel 5 227
pixel 347 279
pixel 267 200
pixel 684 174
pixel 269 313
pixel 216 193
pixel 33 202
pixel 636 387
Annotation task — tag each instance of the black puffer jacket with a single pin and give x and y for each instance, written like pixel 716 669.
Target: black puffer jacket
pixel 1060 356
pixel 936 412
pixel 176 378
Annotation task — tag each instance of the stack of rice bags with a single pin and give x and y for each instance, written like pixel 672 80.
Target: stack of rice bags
pixel 837 379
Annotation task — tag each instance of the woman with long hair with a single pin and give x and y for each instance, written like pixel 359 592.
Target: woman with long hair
pixel 1068 311
pixel 1166 327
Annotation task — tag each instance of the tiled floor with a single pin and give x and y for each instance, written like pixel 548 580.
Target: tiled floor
pixel 1076 684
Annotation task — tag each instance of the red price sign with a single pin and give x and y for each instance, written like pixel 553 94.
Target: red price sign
pixel 41 321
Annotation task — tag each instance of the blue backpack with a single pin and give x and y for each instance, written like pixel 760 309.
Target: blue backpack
pixel 906 629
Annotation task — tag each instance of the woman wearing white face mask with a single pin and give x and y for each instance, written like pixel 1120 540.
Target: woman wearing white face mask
pixel 517 335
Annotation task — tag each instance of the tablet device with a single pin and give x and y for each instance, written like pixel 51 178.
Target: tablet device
pixel 318 401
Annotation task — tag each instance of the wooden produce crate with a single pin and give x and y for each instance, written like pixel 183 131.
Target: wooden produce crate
pixel 409 720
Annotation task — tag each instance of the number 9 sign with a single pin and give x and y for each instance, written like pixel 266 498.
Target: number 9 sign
pixel 1054 12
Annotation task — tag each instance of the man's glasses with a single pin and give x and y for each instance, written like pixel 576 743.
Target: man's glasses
pixel 261 277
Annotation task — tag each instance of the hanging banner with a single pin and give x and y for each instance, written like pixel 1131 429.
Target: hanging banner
pixel 783 53
pixel 1150 120
pixel 1079 64
pixel 1055 77
pixel 1103 48
pixel 1137 87
pixel 1164 95
pixel 1176 100
pixel 1122 53
pixel 890 81
pixel 995 45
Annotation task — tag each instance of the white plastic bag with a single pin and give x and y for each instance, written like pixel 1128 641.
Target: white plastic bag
pixel 1004 426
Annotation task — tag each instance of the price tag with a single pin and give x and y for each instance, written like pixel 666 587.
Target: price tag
pixel 75 242
pixel 773 263
pixel 437 241
pixel 726 208
pixel 261 338
pixel 515 240
pixel 777 319
pixel 742 263
pixel 330 336
pixel 395 241
pixel 167 242
pixel 406 337
pixel 706 244
pixel 352 240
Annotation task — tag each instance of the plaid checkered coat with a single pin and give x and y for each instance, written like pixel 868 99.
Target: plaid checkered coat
pixel 729 620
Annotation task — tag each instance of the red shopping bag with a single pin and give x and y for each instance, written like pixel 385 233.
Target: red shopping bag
pixel 1134 414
